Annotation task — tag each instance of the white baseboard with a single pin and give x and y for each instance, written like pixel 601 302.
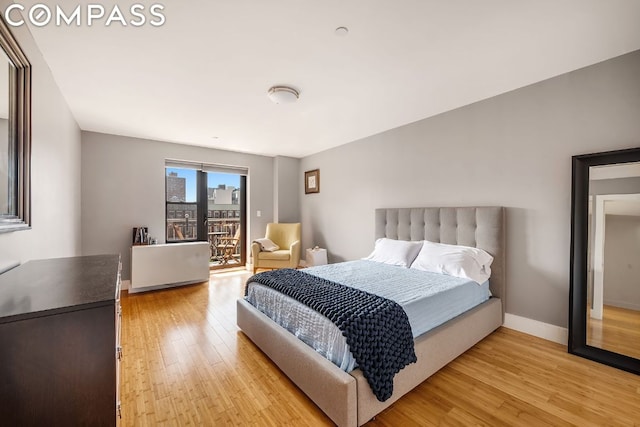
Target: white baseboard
pixel 623 304
pixel 536 328
pixel 522 324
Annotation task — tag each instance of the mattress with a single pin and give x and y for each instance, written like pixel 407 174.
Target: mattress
pixel 429 299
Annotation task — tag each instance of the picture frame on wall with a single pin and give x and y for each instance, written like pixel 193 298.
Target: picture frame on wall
pixel 312 181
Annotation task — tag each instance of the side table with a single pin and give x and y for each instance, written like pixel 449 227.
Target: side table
pixel 316 256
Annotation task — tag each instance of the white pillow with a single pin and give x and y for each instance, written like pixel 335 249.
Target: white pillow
pixel 267 245
pixel 459 261
pixel 395 252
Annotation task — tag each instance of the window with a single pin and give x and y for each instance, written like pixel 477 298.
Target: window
pixel 182 204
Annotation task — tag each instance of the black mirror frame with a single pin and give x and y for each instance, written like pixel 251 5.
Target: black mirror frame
pixel 19 133
pixel 579 253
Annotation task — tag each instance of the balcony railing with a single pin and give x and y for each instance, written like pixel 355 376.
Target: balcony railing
pixel 179 229
pixel 185 229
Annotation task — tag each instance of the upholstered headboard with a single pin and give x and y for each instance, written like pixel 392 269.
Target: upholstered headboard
pixel 480 227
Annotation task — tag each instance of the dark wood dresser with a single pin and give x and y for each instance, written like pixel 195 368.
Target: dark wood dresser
pixel 60 342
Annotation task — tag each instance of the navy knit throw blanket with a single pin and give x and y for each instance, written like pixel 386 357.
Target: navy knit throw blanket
pixel 376 329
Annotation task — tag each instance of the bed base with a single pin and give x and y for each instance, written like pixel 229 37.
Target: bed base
pixel 346 398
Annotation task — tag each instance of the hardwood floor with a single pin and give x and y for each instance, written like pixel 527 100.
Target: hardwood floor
pixel 618 331
pixel 186 363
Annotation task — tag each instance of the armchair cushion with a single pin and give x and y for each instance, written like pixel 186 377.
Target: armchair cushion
pixel 281 255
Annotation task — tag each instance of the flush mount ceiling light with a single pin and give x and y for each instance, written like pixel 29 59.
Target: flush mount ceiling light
pixel 283 94
pixel 341 31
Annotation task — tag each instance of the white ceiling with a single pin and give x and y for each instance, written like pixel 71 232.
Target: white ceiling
pixel 205 72
pixel 614 171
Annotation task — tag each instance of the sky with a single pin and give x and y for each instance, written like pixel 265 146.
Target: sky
pixel 213 180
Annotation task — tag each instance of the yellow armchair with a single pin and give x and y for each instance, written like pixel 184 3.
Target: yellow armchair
pixel 287 237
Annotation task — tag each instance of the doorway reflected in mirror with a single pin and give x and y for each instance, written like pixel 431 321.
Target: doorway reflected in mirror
pixel 613 297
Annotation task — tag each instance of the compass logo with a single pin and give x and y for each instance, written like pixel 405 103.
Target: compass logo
pixel 41 15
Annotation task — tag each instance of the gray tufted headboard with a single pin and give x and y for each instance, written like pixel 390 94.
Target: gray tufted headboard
pixel 480 227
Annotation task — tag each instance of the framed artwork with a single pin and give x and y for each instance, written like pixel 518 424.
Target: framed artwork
pixel 312 181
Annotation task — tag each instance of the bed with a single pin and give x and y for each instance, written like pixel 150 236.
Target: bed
pixel 346 397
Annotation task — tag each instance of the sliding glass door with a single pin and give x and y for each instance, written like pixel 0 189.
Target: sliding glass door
pixel 207 203
pixel 225 223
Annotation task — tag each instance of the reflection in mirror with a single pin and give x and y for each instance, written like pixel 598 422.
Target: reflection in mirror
pixel 604 310
pixel 7 156
pixel 613 294
pixel 15 134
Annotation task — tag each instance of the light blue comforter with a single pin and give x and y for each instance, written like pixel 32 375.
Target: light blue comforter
pixel 429 299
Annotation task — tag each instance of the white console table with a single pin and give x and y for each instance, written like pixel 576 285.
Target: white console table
pixel 154 266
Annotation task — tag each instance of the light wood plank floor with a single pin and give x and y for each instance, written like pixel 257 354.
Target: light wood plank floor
pixel 618 331
pixel 186 363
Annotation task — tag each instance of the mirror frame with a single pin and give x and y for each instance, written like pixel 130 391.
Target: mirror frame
pixel 579 256
pixel 19 131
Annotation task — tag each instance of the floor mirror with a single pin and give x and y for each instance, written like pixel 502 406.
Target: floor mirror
pixel 604 311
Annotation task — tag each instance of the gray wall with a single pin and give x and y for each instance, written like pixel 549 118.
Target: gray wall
pixel 123 186
pixel 512 150
pixel 286 189
pixel 55 169
pixel 622 261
